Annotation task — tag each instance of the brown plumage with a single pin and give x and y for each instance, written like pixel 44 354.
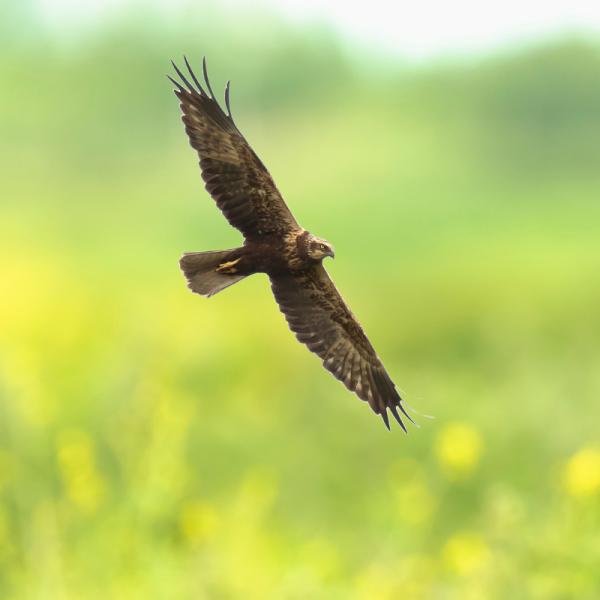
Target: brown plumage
pixel 275 244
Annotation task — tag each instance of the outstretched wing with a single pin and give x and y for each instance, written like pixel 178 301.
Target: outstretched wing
pixel 318 316
pixel 235 177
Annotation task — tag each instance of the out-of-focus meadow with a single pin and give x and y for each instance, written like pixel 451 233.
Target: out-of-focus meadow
pixel 154 444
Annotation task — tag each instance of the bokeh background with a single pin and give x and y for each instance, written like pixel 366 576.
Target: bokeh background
pixel 155 444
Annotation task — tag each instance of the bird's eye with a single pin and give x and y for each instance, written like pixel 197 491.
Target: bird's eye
pixel 323 247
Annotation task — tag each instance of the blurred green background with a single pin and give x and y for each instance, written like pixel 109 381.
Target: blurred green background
pixel 155 444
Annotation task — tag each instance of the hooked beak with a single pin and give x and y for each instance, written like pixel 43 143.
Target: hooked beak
pixel 331 253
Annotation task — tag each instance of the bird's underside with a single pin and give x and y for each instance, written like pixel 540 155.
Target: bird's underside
pixel 275 244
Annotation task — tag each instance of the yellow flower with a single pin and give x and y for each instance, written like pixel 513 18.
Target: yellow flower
pixel 581 475
pixel 198 521
pixel 85 486
pixel 465 553
pixel 415 502
pixel 375 583
pixel 458 448
pixel 321 556
pixel 258 491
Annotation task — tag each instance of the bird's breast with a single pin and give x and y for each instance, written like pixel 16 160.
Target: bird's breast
pixel 276 254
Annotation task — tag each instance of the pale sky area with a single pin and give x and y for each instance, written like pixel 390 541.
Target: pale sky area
pixel 416 29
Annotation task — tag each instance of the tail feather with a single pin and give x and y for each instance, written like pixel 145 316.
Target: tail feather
pixel 200 271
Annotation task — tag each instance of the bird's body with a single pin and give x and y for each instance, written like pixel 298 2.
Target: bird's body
pixel 275 244
pixel 272 254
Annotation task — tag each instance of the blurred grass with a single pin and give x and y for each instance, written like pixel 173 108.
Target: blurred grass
pixel 157 445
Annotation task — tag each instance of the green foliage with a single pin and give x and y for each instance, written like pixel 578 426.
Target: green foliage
pixel 157 445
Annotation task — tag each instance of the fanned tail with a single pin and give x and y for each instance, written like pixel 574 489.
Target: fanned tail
pixel 201 271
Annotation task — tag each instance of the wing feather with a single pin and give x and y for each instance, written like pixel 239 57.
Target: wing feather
pixel 233 174
pixel 318 316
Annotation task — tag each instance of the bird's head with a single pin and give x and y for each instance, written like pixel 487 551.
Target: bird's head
pixel 318 249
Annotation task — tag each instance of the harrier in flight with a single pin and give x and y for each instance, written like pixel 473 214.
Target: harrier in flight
pixel 275 244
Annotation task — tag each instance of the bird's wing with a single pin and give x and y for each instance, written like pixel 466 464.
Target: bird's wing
pixel 319 317
pixel 234 175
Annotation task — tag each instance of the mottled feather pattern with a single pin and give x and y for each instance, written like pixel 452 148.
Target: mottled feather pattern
pixel 319 317
pixel 234 176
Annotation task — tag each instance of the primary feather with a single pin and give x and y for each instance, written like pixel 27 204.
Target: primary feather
pixel 234 176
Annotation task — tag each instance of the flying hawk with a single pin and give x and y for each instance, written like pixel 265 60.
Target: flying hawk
pixel 275 244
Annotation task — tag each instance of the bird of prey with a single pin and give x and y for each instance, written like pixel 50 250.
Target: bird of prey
pixel 275 244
